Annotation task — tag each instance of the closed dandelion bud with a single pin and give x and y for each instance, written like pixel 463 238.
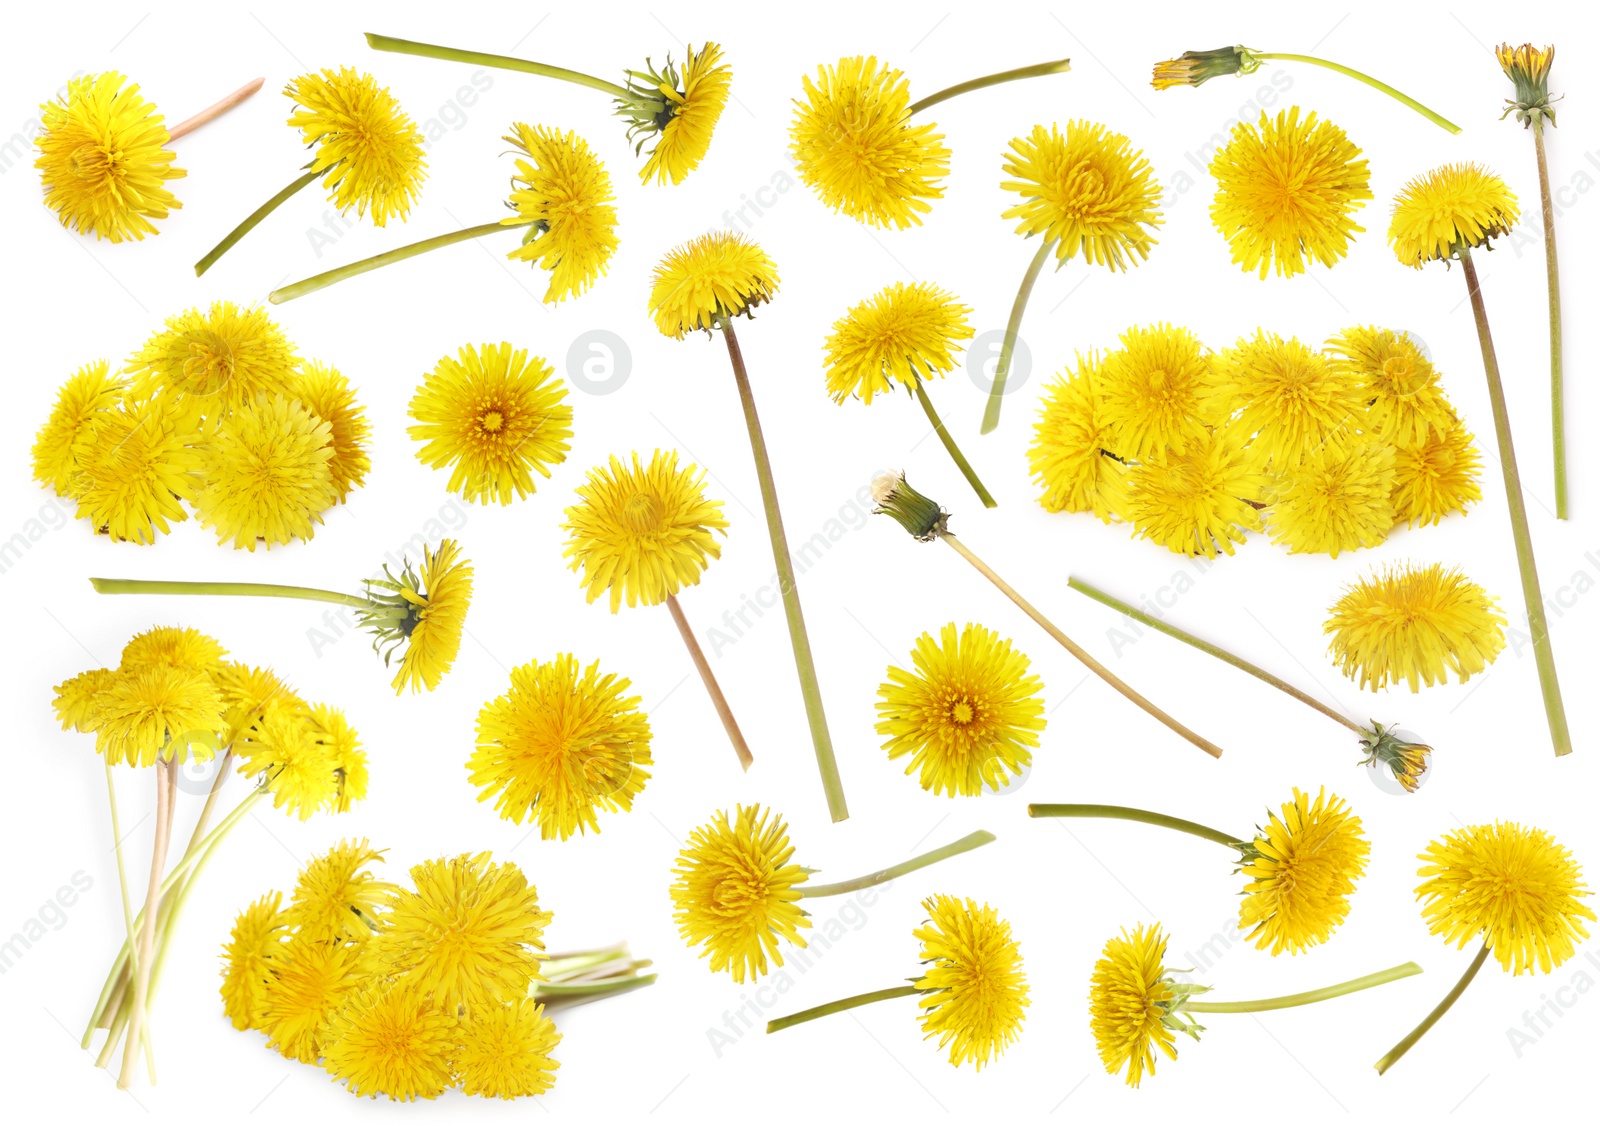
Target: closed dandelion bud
pixel 1193 68
pixel 922 517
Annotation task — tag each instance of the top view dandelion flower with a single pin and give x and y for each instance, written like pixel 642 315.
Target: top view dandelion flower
pixel 504 1051
pixel 267 475
pixel 1157 393
pixel 217 358
pixel 1391 373
pixel 392 1040
pixel 1289 396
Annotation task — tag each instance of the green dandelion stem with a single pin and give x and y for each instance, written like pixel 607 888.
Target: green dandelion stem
pixel 388 257
pixel 1544 655
pixel 565 995
pixel 840 1006
pixel 499 62
pixel 885 875
pixel 1216 651
pixel 1008 345
pixel 127 918
pixel 804 665
pixel 1144 816
pixel 1558 410
pixel 1037 70
pixel 255 590
pixel 950 446
pixel 1393 1055
pixel 1382 977
pixel 251 221
pixel 1367 79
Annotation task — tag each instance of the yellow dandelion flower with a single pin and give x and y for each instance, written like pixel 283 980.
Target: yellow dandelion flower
pixel 250 958
pixel 222 357
pixel 904 333
pixel 493 416
pixel 1088 190
pixel 1155 392
pixel 854 145
pixel 103 159
pixel 560 745
pixel 267 474
pixel 1339 498
pixel 1437 476
pixel 329 398
pixel 736 891
pixel 1292 398
pixel 973 988
pixel 78 700
pixel 1199 501
pixel 434 600
pixel 642 533
pixel 295 766
pixel 245 693
pixel 349 762
pixel 91 391
pixel 391 1041
pixel 311 978
pixel 692 107
pixel 1515 887
pixel 367 150
pixel 564 192
pixel 968 712
pixel 158 712
pixel 1400 384
pixel 335 898
pixel 1302 869
pixel 709 279
pixel 1458 206
pixel 504 1051
pixel 1286 190
pixel 173 646
pixel 1130 998
pixel 472 933
pixel 136 463
pixel 1416 624
pixel 1068 455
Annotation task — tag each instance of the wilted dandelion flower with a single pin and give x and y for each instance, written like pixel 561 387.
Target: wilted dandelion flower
pixel 1340 497
pixel 709 279
pixel 1414 624
pixel 368 152
pixel 1155 393
pixel 1198 502
pixel 563 190
pixel 1068 456
pixel 267 475
pixel 1302 868
pixel 1290 397
pixel 249 958
pixel 1458 206
pixel 1400 384
pixel 391 1040
pixel 973 988
pixel 90 391
pixel 1436 476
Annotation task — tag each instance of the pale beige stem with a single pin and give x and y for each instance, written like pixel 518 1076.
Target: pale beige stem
pixel 190 124
pixel 718 700
pixel 166 788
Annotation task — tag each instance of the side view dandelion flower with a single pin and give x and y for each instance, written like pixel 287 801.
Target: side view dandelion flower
pixel 1137 1006
pixel 328 396
pixel 1158 392
pixel 335 898
pixel 365 149
pixel 88 393
pixel 135 465
pixel 310 979
pixel 736 889
pixel 249 959
pixel 1192 68
pixel 1514 887
pixel 1416 625
pixel 972 993
pixel 1070 455
pixel 391 1041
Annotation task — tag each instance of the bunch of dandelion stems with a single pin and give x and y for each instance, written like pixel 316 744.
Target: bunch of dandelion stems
pixel 1543 653
pixel 588 975
pixel 1392 1056
pixel 1254 58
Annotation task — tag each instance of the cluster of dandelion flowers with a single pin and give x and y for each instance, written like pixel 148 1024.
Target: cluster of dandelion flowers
pixel 700 285
pixel 855 146
pixel 1302 868
pixel 1515 888
pixel 1414 624
pixel 494 416
pixel 562 193
pixel 103 159
pixel 967 713
pixel 1286 190
pixel 365 149
pixel 1068 456
pixel 972 989
pixel 564 743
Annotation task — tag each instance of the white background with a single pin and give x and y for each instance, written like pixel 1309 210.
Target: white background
pixel 1065 888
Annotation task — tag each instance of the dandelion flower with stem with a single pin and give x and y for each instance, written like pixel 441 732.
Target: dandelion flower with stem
pixel 1514 887
pixel 855 146
pixel 1201 500
pixel 1301 867
pixel 1437 476
pixel 267 475
pixel 1383 746
pixel 366 150
pixel 562 203
pixel 1339 498
pixel 563 743
pixel 1286 190
pixel 103 157
pixel 971 993
pixel 673 110
pixel 1084 191
pixel 703 285
pixel 89 393
pixel 926 521
pixel 736 889
pixel 1192 68
pixel 1070 454
pixel 643 533
pixel 905 334
pixel 493 416
pixel 1414 624
pixel 1136 1005
pixel 1406 403
pixel 967 714
pixel 1528 67
pixel 1292 398
pixel 419 613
